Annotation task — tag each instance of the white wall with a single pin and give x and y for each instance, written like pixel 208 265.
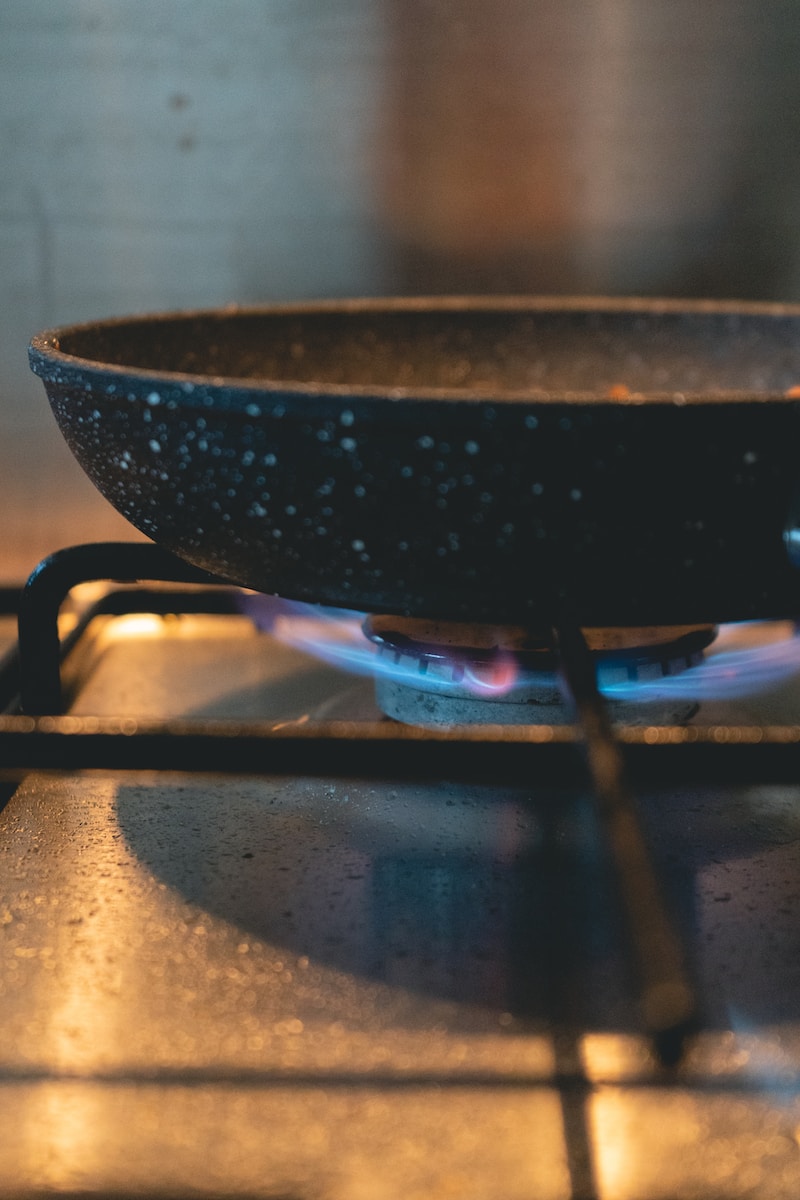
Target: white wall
pixel 163 155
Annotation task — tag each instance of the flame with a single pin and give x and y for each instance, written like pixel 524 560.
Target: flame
pixel 336 636
pixel 495 678
pixel 746 658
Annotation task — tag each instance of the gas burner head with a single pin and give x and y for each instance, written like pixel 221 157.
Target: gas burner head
pixel 451 673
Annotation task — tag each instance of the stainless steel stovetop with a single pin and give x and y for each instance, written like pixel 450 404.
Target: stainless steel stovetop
pixel 223 985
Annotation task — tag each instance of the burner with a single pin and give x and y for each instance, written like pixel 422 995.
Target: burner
pixel 450 673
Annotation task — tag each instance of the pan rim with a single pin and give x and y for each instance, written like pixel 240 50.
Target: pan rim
pixel 48 359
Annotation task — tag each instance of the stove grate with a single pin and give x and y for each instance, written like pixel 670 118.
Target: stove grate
pixel 36 734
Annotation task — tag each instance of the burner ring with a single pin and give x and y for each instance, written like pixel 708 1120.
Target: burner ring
pixel 457 673
pixel 640 652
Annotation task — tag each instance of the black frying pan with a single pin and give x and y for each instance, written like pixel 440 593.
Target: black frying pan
pixel 472 459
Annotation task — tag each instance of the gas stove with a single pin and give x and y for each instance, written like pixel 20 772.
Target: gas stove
pixel 259 939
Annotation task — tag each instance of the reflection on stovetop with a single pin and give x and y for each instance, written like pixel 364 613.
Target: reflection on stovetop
pixel 336 988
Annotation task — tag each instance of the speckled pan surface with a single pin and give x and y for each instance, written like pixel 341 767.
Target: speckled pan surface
pixel 488 459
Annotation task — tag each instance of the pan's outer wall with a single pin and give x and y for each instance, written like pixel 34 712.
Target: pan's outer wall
pixel 467 503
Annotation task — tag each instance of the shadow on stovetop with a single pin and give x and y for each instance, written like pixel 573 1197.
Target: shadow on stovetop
pixel 494 899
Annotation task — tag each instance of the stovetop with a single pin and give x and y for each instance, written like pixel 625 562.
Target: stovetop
pixel 234 984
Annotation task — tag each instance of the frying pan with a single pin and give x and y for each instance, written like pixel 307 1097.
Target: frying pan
pixel 494 459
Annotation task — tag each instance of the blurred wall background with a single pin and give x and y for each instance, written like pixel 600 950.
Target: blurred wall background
pixel 166 155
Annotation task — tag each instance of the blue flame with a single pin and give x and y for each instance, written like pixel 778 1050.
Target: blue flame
pixel 336 636
pixel 745 659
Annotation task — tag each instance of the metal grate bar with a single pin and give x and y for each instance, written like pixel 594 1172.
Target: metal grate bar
pixel 40 651
pixel 384 751
pixel 668 1002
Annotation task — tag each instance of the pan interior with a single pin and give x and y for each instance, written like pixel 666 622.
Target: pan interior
pixel 503 350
